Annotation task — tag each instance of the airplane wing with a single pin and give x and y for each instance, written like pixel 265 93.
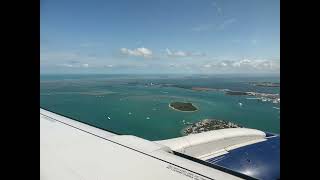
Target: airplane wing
pixel 71 150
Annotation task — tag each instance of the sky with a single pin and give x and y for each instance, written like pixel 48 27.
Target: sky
pixel 159 36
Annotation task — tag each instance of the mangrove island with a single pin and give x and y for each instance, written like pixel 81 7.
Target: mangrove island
pixel 183 106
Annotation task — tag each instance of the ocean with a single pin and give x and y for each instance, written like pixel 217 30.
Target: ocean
pixel 138 104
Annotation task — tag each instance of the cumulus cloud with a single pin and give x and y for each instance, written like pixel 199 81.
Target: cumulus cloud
pixel 108 66
pixel 173 53
pixel 258 64
pixel 177 53
pixel 74 65
pixel 143 52
pixel 67 65
pixel 85 65
pixel 244 65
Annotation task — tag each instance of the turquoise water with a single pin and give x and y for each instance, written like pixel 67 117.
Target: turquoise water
pixel 135 107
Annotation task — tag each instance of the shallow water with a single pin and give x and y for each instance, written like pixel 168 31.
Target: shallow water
pixel 135 107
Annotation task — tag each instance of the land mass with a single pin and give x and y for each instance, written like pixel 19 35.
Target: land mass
pixel 264 97
pixel 208 125
pixel 236 93
pixel 266 84
pixel 183 106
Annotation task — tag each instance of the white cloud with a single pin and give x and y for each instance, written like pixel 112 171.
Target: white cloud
pixel 245 61
pixel 224 64
pixel 67 65
pixel 85 65
pixel 236 64
pixel 144 52
pixel 173 53
pixel 172 65
pixel 74 65
pixel 176 53
pixel 245 65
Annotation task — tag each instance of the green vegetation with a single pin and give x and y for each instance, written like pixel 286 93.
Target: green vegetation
pixel 208 125
pixel 182 106
pixel 237 93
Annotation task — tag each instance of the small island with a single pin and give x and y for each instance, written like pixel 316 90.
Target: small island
pixel 201 89
pixel 208 125
pixel 236 93
pixel 183 106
